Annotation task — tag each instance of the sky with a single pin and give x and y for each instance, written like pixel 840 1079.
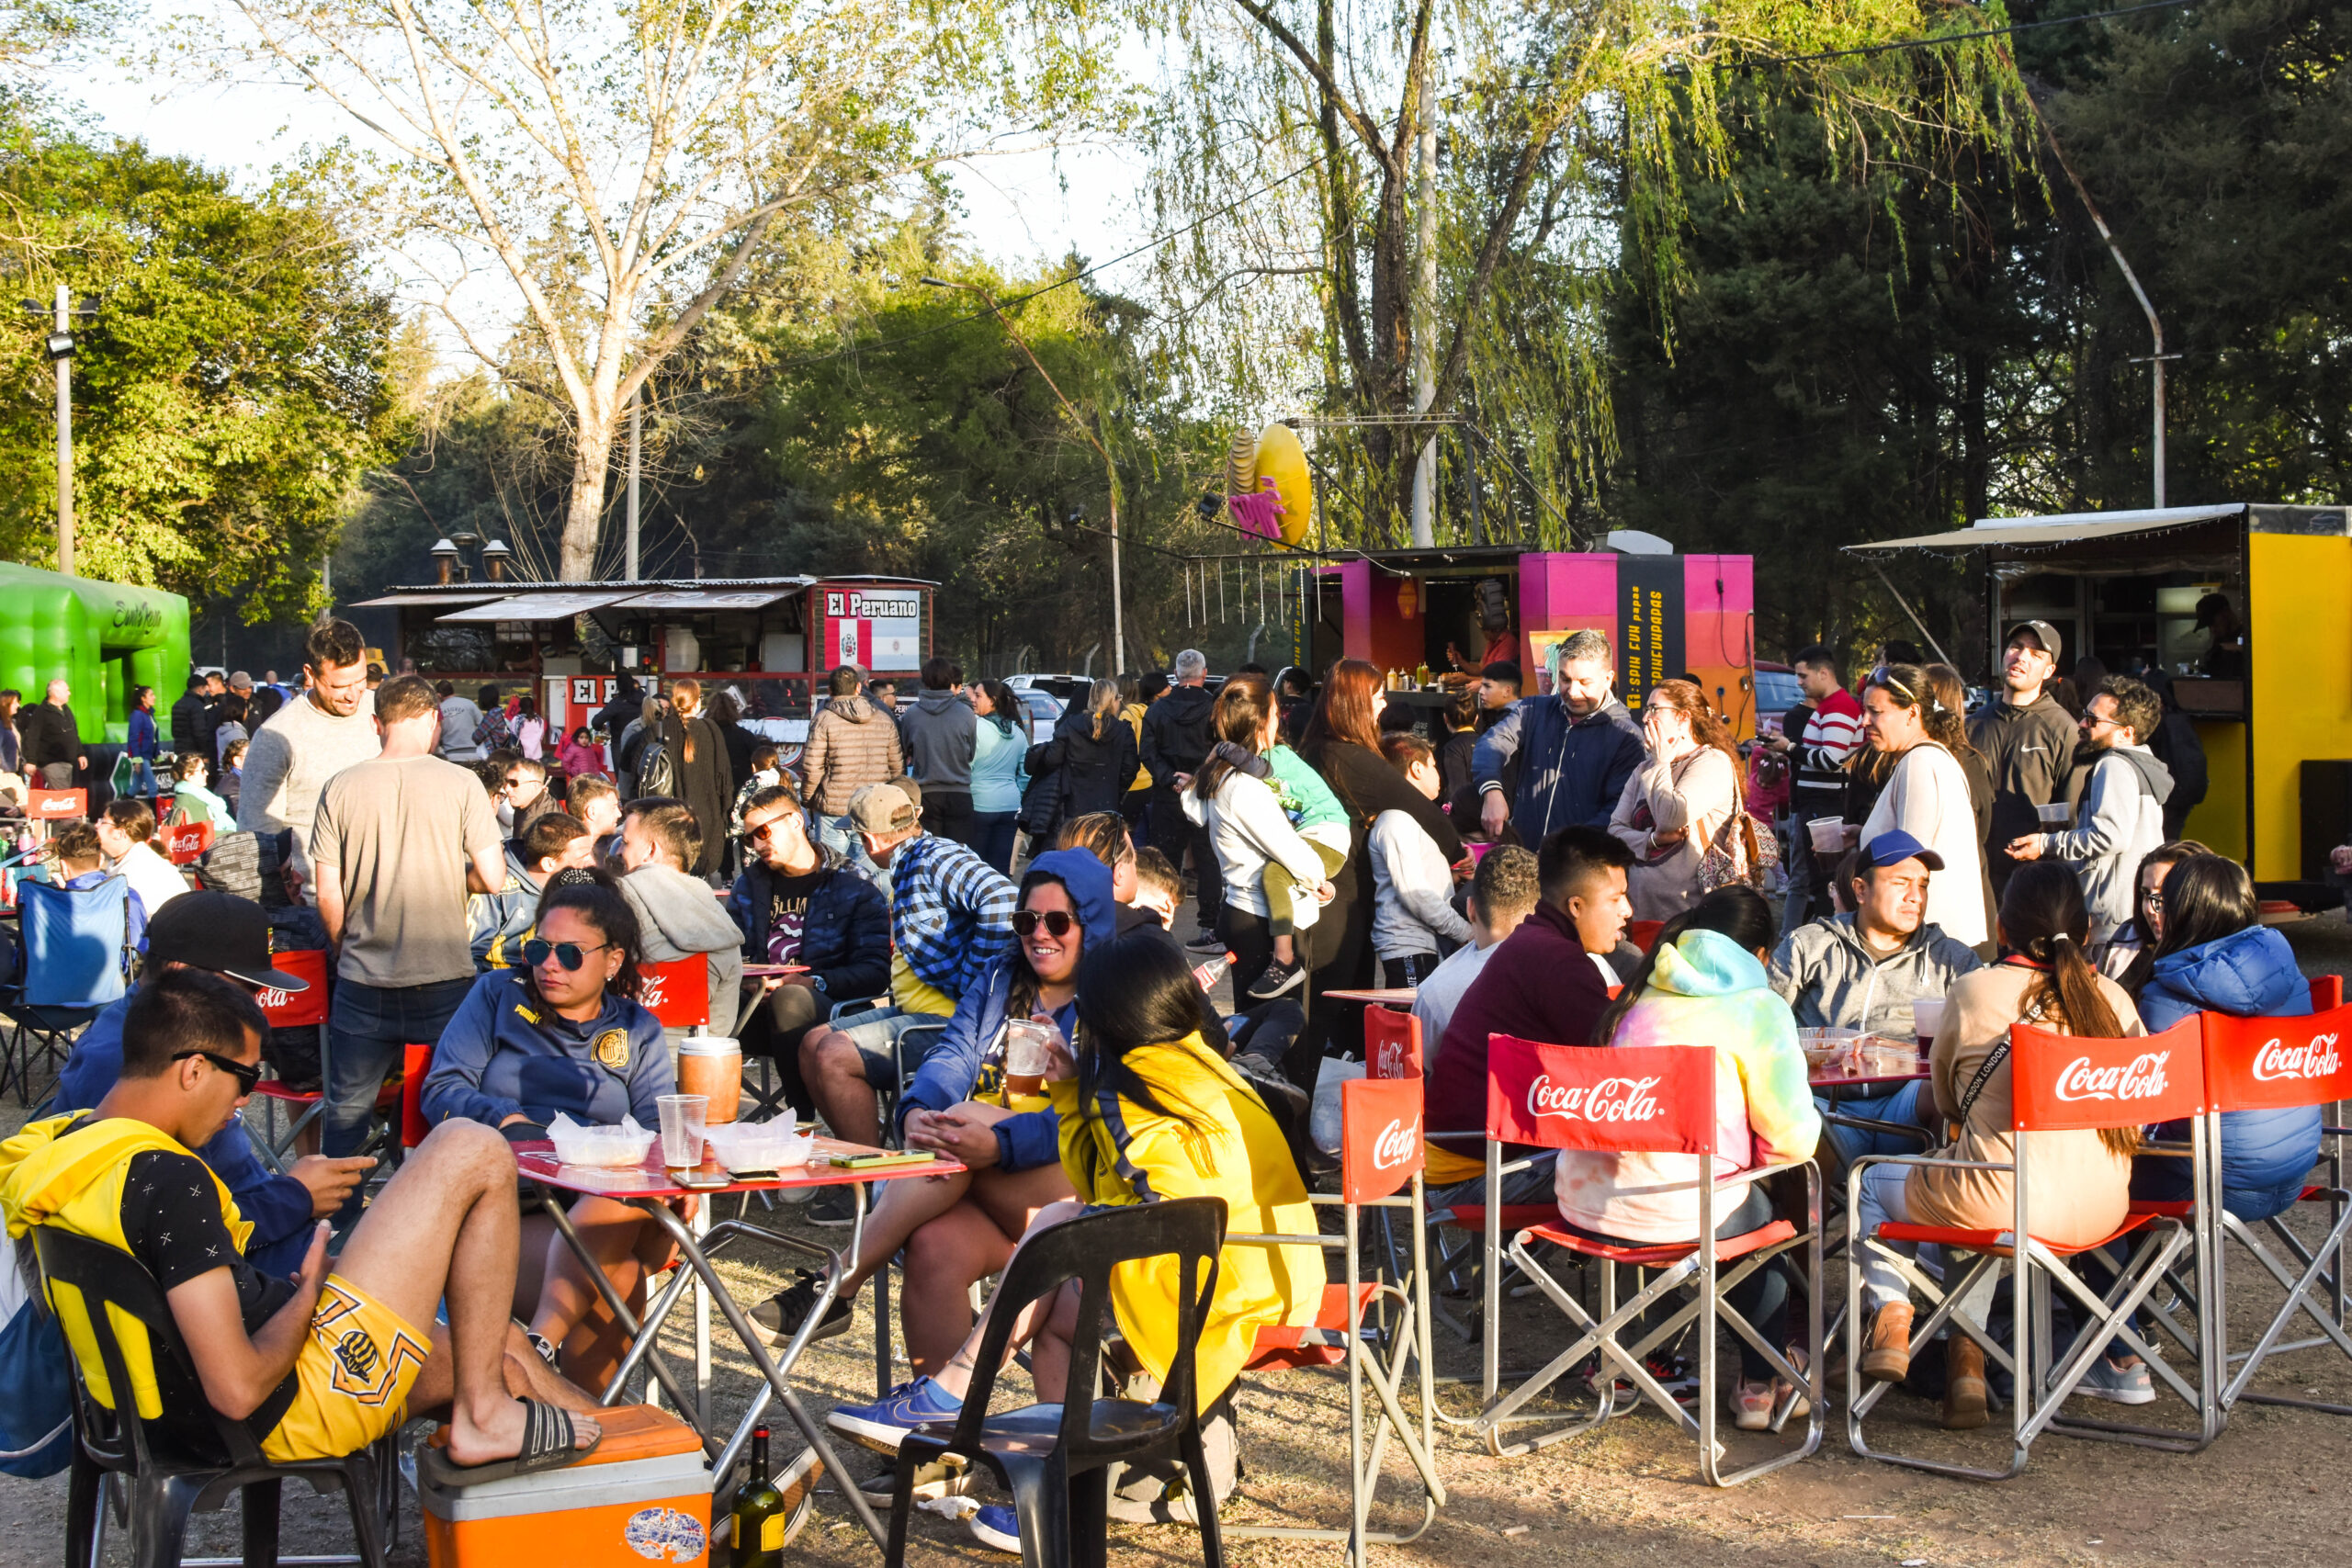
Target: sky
pixel 1020 210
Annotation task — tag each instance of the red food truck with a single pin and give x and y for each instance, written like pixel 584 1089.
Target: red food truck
pixel 773 640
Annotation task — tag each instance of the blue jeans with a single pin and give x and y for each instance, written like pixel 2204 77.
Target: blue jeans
pixel 992 834
pixel 367 1027
pixel 1901 1107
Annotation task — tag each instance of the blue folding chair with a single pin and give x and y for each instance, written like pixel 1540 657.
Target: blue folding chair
pixel 76 957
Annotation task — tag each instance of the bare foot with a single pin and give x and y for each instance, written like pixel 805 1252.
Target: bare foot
pixel 498 1432
pixel 527 1377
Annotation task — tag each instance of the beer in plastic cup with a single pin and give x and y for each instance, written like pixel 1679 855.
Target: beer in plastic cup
pixel 683 1117
pixel 1828 835
pixel 712 1066
pixel 1028 1048
pixel 2054 816
pixel 1927 1016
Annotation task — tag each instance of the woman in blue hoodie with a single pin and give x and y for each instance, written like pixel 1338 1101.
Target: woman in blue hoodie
pixel 2216 956
pixel 957 1229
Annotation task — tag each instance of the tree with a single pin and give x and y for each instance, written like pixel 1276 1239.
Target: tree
pixel 228 393
pixel 1556 120
pixel 621 166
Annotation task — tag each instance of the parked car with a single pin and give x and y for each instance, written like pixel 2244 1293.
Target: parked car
pixel 1776 693
pixel 1043 707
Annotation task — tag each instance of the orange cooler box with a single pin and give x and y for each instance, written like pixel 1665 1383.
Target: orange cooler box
pixel 643 1497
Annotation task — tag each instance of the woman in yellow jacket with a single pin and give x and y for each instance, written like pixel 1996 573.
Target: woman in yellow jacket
pixel 1149 1112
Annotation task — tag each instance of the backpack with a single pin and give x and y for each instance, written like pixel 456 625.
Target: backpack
pixel 656 774
pixel 36 1379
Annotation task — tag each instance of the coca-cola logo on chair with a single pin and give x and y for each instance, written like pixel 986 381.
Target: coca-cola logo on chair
pixel 2314 1058
pixel 1607 1100
pixel 1396 1143
pixel 2141 1078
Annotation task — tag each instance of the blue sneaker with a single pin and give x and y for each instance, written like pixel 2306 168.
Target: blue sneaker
pixel 885 1422
pixel 997 1526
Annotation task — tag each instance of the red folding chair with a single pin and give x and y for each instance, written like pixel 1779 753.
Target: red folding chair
pixel 1644 1100
pixel 2058 1083
pixel 294 1010
pixel 1392 1044
pixel 57 805
pixel 1381 1155
pixel 416 1062
pixel 2279 1064
pixel 678 992
pixel 188 841
pixel 1643 933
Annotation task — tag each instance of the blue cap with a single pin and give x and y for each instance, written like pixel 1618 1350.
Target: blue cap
pixel 1896 847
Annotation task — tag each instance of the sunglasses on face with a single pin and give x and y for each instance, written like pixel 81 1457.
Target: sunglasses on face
pixel 1056 923
pixel 571 955
pixel 759 832
pixel 247 1074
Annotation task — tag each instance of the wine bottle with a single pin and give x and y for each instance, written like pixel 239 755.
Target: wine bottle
pixel 759 1512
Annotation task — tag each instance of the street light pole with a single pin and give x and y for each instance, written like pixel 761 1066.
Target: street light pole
pixel 61 353
pixel 1110 471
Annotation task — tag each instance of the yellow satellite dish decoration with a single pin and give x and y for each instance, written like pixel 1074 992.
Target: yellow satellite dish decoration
pixel 1273 467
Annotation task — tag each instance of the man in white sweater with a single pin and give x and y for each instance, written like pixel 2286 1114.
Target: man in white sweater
pixel 309 741
pixel 1412 912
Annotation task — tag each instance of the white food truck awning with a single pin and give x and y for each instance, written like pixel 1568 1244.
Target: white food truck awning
pixel 536 607
pixel 2057 528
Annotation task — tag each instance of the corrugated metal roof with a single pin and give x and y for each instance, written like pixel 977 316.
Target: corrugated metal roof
pixel 2058 528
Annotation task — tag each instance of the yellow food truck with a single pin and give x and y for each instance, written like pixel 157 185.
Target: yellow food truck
pixel 2247 608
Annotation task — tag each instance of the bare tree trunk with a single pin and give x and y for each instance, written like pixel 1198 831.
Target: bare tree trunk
pixel 583 523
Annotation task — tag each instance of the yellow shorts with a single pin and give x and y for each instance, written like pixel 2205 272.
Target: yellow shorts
pixel 354 1373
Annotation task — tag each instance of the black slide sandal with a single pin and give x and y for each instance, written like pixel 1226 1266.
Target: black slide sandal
pixel 546 1445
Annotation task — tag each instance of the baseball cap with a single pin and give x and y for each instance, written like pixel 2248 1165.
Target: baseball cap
pixel 879 809
pixel 1501 669
pixel 2043 633
pixel 241 682
pixel 1893 848
pixel 219 931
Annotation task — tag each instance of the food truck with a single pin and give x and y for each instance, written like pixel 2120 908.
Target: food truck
pixel 1666 614
pixel 2246 608
pixel 773 640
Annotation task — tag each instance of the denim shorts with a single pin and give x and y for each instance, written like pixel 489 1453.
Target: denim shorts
pixel 874 1030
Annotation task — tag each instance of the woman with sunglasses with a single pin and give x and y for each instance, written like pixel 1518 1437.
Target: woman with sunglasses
pixel 1927 796
pixel 957 1229
pixel 563 1036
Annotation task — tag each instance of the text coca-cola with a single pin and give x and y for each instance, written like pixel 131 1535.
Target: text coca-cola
pixel 2315 1058
pixel 1395 1143
pixel 2142 1079
pixel 1608 1099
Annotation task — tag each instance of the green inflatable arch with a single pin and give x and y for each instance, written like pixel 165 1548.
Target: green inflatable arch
pixel 105 637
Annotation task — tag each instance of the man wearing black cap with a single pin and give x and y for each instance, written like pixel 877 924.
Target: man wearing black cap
pixel 2028 741
pixel 229 936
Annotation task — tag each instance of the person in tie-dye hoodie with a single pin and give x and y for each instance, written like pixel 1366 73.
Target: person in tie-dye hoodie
pixel 1704 984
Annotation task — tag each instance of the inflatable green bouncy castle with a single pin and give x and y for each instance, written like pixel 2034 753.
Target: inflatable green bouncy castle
pixel 105 637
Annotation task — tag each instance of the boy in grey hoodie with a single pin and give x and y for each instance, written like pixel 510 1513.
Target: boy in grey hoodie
pixel 1863 971
pixel 941 733
pixel 2122 814
pixel 676 916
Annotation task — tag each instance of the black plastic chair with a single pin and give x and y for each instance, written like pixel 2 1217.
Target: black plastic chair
pixel 162 1487
pixel 1055 1459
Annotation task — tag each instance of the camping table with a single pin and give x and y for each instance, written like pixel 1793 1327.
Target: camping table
pixel 648 1186
pixel 1832 1079
pixel 1378 996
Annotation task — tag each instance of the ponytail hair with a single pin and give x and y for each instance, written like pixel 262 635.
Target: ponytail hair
pixel 1948 710
pixel 2044 918
pixel 1244 703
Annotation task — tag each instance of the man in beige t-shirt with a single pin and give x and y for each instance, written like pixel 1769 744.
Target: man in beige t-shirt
pixel 397 844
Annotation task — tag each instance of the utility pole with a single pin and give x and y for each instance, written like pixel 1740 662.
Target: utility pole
pixel 61 354
pixel 636 434
pixel 1425 327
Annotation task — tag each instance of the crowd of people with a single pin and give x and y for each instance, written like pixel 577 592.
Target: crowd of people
pixel 915 885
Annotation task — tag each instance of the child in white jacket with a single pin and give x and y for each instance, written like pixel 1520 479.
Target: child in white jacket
pixel 1235 797
pixel 1412 914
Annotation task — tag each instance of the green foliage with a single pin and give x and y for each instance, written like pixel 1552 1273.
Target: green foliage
pixel 228 393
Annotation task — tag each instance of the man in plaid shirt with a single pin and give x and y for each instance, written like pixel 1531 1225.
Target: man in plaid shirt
pixel 950 916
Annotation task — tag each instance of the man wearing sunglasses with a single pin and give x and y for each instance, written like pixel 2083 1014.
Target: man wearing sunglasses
pixel 315 1364
pixel 2121 815
pixel 799 902
pixel 221 934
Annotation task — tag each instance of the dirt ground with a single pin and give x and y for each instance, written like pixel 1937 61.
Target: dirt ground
pixel 1627 1493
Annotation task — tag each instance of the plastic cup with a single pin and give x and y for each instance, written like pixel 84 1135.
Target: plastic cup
pixel 2057 814
pixel 682 1119
pixel 1927 1016
pixel 1828 835
pixel 712 1065
pixel 1028 1051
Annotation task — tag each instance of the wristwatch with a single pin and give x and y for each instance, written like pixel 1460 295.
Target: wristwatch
pixel 816 983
